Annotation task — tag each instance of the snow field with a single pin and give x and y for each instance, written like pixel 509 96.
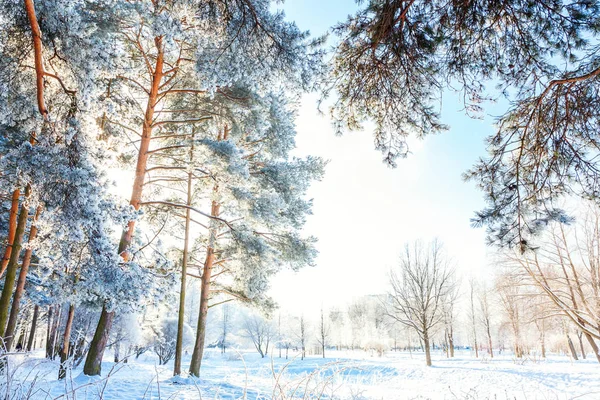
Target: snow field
pixel 343 375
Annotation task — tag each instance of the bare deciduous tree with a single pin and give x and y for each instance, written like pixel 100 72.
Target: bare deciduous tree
pixel 419 289
pixel 486 317
pixel 357 313
pixel 302 336
pixel 260 332
pixel 509 289
pixel 566 269
pixel 448 310
pixel 225 326
pixel 472 314
pixel 324 332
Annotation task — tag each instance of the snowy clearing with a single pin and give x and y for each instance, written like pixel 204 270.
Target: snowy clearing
pixel 344 375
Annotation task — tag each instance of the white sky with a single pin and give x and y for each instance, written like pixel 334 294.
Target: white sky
pixel 364 211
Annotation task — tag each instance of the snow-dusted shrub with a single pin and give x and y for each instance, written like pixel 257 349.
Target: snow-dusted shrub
pixel 234 356
pixel 166 338
pixel 374 346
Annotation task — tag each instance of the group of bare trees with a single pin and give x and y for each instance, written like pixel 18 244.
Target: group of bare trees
pixel 533 303
pixel 561 277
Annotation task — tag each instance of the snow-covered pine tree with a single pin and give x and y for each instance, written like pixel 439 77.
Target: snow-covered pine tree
pixel 257 191
pixel 74 49
pixel 222 41
pixel 43 90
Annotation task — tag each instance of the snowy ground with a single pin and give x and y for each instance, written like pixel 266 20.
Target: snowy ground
pixel 343 376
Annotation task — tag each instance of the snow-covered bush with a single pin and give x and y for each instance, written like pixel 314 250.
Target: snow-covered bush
pixel 166 339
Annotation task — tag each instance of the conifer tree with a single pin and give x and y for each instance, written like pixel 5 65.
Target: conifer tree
pixel 395 58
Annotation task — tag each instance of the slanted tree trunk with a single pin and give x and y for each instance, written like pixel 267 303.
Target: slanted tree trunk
pixel 572 348
pixel 12 230
pixel 64 353
pixel 489 338
pixel 204 295
pixel 593 345
pixel 16 302
pixel 93 362
pixel 11 270
pixel 36 311
pixel 184 262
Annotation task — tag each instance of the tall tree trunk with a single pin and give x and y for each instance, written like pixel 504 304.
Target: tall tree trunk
pixel 93 362
pixel 473 323
pixel 489 337
pixel 451 341
pixel 36 311
pixel 426 346
pixel 64 352
pixel 54 332
pixel 16 303
pixel 11 270
pixel 184 262
pixel 543 340
pixel 12 230
pixel 117 351
pixel 22 335
pixel 204 294
pixel 446 345
pixel 49 316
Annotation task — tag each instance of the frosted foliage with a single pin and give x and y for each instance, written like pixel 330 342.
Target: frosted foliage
pixel 246 67
pixel 261 188
pixel 64 167
pixel 246 42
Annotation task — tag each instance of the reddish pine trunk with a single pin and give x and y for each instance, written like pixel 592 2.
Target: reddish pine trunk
pixel 11 270
pixel 14 311
pixel 93 362
pixel 12 229
pixel 37 54
pixel 64 353
pixel 204 295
